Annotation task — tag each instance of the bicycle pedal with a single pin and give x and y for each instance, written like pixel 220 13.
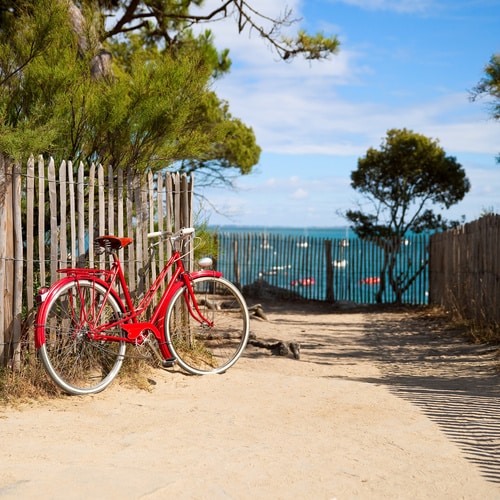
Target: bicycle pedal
pixel 168 363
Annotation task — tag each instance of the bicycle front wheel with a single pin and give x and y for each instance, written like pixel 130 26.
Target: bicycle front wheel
pixel 211 340
pixel 75 362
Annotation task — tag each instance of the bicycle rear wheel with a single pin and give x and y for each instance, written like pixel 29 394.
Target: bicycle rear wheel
pixel 77 364
pixel 214 345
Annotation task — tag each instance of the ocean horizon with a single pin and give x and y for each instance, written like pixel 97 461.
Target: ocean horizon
pixel 334 232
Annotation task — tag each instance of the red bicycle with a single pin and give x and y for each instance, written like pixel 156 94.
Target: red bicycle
pixel 86 319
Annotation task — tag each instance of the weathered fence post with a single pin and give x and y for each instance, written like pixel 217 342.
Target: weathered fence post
pixel 11 269
pixel 6 257
pixel 329 271
pixel 17 302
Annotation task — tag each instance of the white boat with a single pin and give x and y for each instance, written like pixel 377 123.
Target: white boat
pixel 340 263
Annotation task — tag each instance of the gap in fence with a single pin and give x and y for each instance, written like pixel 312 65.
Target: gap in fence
pixel 339 269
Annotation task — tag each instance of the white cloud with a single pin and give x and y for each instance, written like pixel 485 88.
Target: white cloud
pixel 301 108
pixel 402 6
pixel 299 194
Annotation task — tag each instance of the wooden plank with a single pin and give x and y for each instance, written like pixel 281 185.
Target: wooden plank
pixel 111 201
pixel 177 202
pixel 139 214
pixel 91 210
pixel 63 203
pixel 130 230
pixel 5 309
pixel 327 245
pixel 152 213
pixel 169 195
pixel 159 210
pixel 72 213
pixel 17 302
pixel 101 210
pixel 30 242
pixel 119 209
pixel 81 215
pixel 54 240
pixel 41 219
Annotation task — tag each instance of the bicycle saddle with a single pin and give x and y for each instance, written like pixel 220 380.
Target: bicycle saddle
pixel 113 242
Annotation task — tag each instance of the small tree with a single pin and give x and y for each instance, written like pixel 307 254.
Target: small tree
pixel 400 180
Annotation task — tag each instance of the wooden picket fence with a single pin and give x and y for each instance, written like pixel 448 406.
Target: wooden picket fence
pixel 50 215
pixel 465 270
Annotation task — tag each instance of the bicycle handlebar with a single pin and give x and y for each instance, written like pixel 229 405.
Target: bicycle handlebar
pixel 183 233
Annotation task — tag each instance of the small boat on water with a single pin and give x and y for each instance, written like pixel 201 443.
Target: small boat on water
pixel 372 280
pixel 303 282
pixel 339 263
pixel 275 270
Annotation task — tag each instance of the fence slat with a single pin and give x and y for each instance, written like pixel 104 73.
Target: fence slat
pixel 111 201
pixel 17 302
pixel 54 240
pixel 72 213
pixel 30 243
pixel 91 208
pixel 119 210
pixel 5 253
pixel 41 219
pixel 63 200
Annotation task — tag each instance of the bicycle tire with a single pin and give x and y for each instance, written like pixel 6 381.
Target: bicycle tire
pixel 199 348
pixel 77 364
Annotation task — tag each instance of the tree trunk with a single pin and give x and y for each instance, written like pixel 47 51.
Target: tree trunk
pixel 89 43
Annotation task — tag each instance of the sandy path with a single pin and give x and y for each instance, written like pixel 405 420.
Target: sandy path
pixel 379 406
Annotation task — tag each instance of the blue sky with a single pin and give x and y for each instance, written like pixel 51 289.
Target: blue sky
pixel 402 64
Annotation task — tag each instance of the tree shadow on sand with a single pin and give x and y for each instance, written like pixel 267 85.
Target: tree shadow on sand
pixel 455 383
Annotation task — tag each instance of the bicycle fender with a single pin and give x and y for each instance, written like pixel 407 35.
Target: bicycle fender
pixel 45 299
pixel 205 273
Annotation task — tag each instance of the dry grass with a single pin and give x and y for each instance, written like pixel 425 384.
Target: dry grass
pixel 31 383
pixel 136 373
pixel 479 331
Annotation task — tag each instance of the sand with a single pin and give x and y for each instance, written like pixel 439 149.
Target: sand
pixel 380 405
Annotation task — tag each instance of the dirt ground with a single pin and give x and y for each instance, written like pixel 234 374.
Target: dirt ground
pixel 380 405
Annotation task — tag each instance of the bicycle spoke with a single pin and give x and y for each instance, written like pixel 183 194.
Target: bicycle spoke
pixel 75 362
pixel 207 334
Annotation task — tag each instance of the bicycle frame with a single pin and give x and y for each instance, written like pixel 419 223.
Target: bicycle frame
pixel 133 328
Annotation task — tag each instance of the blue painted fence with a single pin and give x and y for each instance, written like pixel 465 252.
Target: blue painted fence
pixel 346 269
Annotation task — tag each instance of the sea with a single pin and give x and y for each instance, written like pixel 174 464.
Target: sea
pixel 313 232
pixel 294 258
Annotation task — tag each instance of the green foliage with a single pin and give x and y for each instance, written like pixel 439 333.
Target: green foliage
pixel 128 83
pixel 155 109
pixel 400 180
pixel 312 46
pixel 489 86
pixel 33 77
